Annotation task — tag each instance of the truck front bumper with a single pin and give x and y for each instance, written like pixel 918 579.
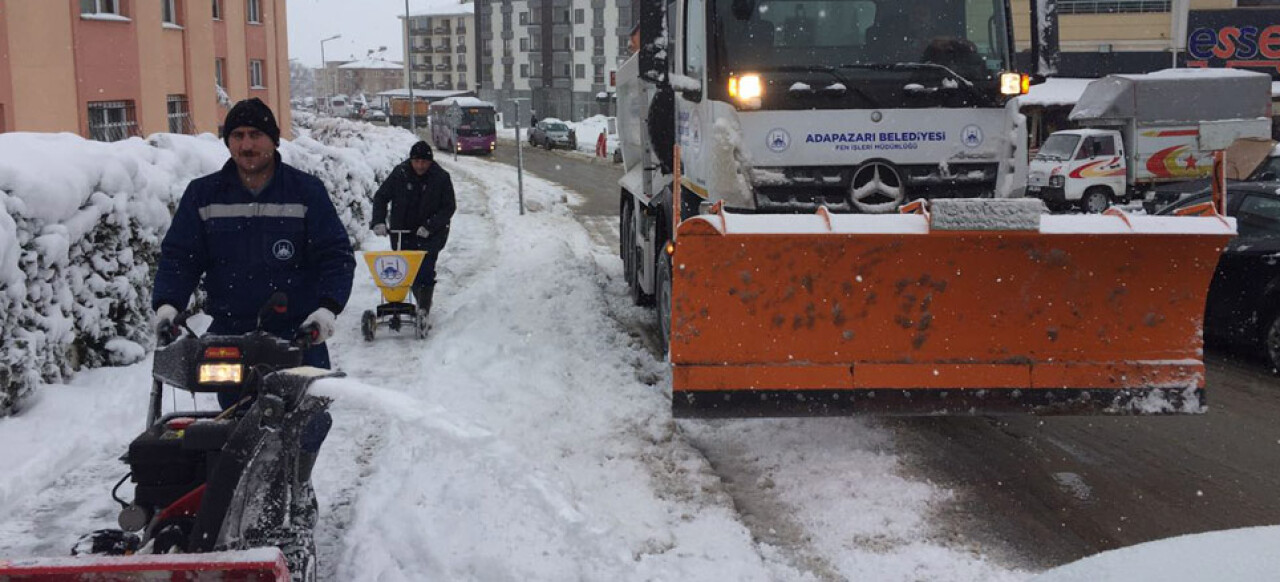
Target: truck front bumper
pixel 1049 194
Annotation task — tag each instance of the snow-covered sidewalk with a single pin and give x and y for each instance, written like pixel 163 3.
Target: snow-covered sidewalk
pixel 528 438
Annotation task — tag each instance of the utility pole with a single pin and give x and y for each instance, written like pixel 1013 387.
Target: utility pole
pixel 324 67
pixel 408 41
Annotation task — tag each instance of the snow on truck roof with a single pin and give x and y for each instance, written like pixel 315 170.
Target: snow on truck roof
pixel 464 102
pixel 1177 95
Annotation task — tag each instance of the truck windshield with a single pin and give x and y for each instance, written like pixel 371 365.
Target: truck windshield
pixel 1059 146
pixel 966 36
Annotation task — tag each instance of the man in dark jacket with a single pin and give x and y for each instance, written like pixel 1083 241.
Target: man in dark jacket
pixel 420 193
pixel 255 227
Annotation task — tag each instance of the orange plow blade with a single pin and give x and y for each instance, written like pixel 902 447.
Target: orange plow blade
pixel 257 565
pixel 991 309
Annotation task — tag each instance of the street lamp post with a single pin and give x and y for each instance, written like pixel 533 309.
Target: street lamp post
pixel 413 109
pixel 519 155
pixel 324 65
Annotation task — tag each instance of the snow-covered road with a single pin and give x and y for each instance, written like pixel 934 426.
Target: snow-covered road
pixel 527 438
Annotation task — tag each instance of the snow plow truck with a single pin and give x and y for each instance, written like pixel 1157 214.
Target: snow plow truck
pixel 824 201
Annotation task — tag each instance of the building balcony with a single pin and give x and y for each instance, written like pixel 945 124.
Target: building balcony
pixel 440 30
pixel 443 67
pixel 461 67
pixel 442 86
pixel 460 30
pixel 443 49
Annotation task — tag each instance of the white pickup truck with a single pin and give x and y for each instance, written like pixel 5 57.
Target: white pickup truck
pixel 1144 130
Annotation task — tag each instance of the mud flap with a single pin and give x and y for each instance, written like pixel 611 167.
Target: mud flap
pixel 988 308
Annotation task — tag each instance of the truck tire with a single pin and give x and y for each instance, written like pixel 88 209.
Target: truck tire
pixel 625 244
pixel 664 299
pixel 1271 343
pixel 1095 200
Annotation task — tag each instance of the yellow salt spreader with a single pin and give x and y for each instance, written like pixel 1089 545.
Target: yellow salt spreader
pixel 393 272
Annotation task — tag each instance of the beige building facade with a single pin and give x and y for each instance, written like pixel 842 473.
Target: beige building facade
pixel 113 69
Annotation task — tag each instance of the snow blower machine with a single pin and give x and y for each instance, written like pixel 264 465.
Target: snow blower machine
pixel 393 272
pixel 218 495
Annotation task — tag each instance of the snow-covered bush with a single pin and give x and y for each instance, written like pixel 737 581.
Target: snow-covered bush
pixel 80 229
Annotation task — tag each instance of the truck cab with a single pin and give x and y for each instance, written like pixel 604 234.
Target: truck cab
pixel 1085 167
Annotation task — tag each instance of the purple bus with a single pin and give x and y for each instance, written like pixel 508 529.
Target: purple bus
pixel 476 132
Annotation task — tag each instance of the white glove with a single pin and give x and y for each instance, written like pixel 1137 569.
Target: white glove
pixel 380 229
pixel 325 323
pixel 163 321
pixel 423 232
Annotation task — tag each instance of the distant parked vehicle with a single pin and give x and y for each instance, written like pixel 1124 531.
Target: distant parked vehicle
pixel 552 133
pixel 374 114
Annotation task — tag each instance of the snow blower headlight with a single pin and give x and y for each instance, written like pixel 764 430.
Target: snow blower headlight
pixel 221 373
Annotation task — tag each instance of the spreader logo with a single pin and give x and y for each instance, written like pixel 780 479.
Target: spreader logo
pixel 282 250
pixel 778 140
pixel 391 269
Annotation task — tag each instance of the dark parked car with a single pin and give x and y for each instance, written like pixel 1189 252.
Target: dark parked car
pixel 553 133
pixel 1244 298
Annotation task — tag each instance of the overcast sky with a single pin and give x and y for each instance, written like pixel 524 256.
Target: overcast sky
pixel 364 25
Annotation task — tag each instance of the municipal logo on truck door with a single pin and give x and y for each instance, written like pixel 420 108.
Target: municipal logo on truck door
pixel 971 136
pixel 778 140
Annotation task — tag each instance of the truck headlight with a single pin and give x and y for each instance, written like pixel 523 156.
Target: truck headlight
pixel 1014 84
pixel 221 373
pixel 1056 181
pixel 746 90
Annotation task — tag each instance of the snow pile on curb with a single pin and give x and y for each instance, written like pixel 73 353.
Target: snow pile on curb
pixel 81 223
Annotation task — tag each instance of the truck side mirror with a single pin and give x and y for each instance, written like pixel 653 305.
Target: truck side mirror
pixel 653 41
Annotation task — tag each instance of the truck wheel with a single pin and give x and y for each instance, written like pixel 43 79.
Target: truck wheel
pixel 1271 343
pixel 1095 200
pixel 664 299
pixel 625 244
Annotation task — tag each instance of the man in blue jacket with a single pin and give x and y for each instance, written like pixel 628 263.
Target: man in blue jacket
pixel 255 227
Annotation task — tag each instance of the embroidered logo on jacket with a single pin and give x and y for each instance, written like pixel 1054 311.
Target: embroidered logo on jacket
pixel 283 249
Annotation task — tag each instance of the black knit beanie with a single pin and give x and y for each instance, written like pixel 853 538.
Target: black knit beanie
pixel 252 113
pixel 420 151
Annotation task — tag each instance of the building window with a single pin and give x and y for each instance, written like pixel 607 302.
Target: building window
pixel 579 44
pixel 524 71
pixel 579 16
pixel 100 7
pixel 255 74
pixel 567 73
pixel 112 120
pixel 598 75
pixel 462 81
pixel 524 18
pixel 580 71
pixel 1111 6
pixel 506 73
pixel 597 16
pixel 180 115
pixel 255 11
pixel 220 72
pixel 170 12
pixel 487 47
pixel 524 44
pixel 217 9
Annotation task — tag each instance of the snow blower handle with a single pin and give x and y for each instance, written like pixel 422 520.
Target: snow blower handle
pixel 167 334
pixel 400 237
pixel 307 336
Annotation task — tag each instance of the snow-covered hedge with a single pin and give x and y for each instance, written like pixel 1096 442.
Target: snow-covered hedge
pixel 81 224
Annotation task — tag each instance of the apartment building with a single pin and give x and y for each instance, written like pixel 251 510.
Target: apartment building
pixel 112 69
pixel 559 55
pixel 1100 37
pixel 364 77
pixel 439 41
